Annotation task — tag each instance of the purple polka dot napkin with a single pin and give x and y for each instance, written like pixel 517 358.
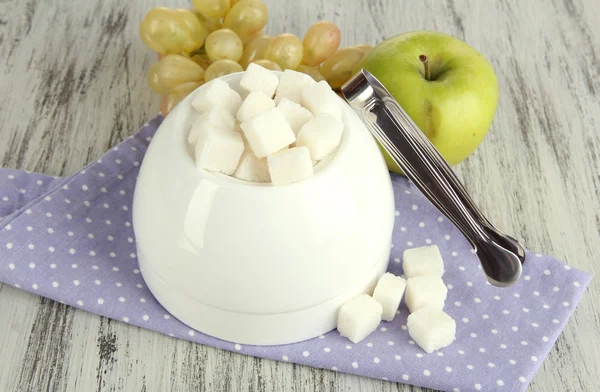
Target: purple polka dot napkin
pixel 71 240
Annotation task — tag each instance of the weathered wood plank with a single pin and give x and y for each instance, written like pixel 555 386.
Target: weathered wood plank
pixel 73 83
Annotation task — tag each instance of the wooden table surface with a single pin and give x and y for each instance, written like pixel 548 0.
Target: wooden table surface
pixel 73 84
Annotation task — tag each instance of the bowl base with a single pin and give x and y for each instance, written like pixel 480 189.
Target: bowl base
pixel 255 328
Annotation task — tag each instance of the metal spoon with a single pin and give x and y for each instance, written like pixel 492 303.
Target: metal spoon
pixel 501 256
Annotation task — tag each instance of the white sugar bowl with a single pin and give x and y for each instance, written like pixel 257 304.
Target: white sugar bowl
pixel 255 263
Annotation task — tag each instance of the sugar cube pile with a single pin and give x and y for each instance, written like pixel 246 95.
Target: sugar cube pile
pixel 275 131
pixel 424 293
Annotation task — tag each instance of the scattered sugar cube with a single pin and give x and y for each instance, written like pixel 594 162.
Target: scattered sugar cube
pixel 291 85
pixel 268 132
pixel 290 165
pixel 423 261
pixel 217 93
pixel 252 168
pixel 388 293
pixel 214 117
pixel 258 78
pixel 295 114
pixel 321 135
pixel 320 98
pixel 359 317
pixel 218 150
pixel 255 103
pixel 425 291
pixel 431 329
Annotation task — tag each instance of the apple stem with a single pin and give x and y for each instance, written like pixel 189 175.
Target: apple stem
pixel 425 62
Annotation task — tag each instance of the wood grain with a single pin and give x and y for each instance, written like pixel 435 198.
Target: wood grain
pixel 73 84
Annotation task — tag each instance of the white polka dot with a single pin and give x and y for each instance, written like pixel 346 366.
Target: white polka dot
pixel 70 234
pixel 139 286
pixel 32 265
pixel 517 295
pixel 404 327
pixel 469 284
pixel 306 353
pixel 526 310
pixel 28 212
pixel 556 289
pixel 457 303
pixel 166 317
pixel 465 320
pixel 121 299
pixel 238 347
pixel 390 343
pixel 428 241
pixel 76 282
pixel 409 243
pixel 555 321
pixel 327 349
pixel 132 255
pixel 515 328
pixel 397 213
pixel 100 301
pixel 473 335
pixel 115 268
pixel 419 355
pixel 8 227
pixel 121 192
pixel 112 254
pixel 146 317
pixel 102 174
pixel 97 282
pixel 494 331
pixel 354 364
pixel 67 201
pixel 30 246
pixel 9 245
pixel 11 266
pixel 567 267
pixel 421 224
pixel 545 338
pixel 491 365
pixel 534 358
pixel 90 235
pixel 136 271
pixel 473 251
pixel 477 300
pixel 125 208
pixel 522 379
pixel 482 350
pixel 411 342
pixel 440 354
pixel 285 358
pixel 53 266
pixel 369 344
pixel 191 333
pixel 84 187
pixel 448 369
pixel 111 238
pixel 120 177
pixel 127 224
pixel 470 367
pixel 427 372
pixel 455 390
pixel 454 254
pixel 348 347
pixel 55 284
pixel 500 382
pixel 512 361
pixel 376 360
pixel 450 287
pixel 397 357
pixel 576 284
pixel 103 190
pixel 80 303
pixel 107 222
pixel 415 207
pixel 505 311
pixel 527 277
pixel 403 228
pixel 565 303
pixel 405 377
pixel 94 267
pixel 49 214
pixel 461 352
pixel 478 387
pixel 88 220
pixel 503 346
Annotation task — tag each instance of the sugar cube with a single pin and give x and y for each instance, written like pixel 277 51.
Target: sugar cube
pixel 217 93
pixel 214 117
pixel 218 150
pixel 295 114
pixel 321 135
pixel 252 168
pixel 431 329
pixel 388 293
pixel 255 103
pixel 290 165
pixel 423 261
pixel 359 317
pixel 320 98
pixel 425 291
pixel 268 132
pixel 291 85
pixel 258 78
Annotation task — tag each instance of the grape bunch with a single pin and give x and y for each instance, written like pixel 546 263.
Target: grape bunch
pixel 219 37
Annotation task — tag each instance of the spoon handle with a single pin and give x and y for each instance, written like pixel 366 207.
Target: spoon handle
pixel 501 256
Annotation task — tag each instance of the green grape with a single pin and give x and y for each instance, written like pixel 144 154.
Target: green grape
pixel 310 71
pixel 255 50
pixel 249 38
pixel 220 68
pixel 268 64
pixel 364 47
pixel 176 95
pixel 171 71
pixel 214 8
pixel 339 68
pixel 201 59
pixel 223 44
pixel 320 42
pixel 234 2
pixel 247 17
pixel 285 50
pixel 210 22
pixel 172 31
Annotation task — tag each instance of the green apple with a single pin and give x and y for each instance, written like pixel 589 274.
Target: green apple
pixel 448 89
